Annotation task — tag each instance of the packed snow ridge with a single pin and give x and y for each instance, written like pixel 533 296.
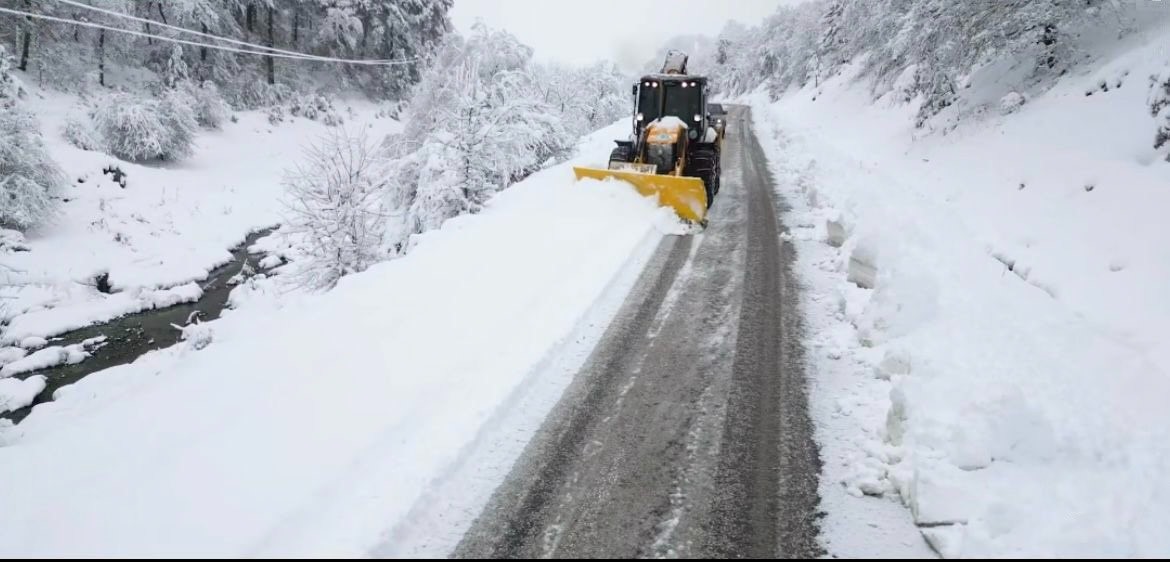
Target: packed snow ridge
pixel 987 309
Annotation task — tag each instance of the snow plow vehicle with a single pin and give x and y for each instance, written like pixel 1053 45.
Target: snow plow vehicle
pixel 674 150
pixel 718 117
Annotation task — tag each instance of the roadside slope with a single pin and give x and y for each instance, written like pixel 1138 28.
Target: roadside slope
pixel 989 312
pixel 311 425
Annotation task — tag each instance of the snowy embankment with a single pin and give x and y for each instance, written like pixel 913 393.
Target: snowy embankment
pixel 312 424
pixel 149 240
pixel 988 312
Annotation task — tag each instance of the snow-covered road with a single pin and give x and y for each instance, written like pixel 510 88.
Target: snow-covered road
pixel 686 434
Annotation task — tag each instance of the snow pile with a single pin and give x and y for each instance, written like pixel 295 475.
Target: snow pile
pixel 33 342
pixel 14 360
pixel 10 354
pixel 197 335
pixel 669 122
pixel 16 394
pixel 47 357
pixel 312 425
pixel 1006 375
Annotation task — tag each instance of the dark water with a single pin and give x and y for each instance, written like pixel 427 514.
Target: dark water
pixel 132 335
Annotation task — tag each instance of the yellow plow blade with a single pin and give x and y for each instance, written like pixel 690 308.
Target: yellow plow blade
pixel 685 195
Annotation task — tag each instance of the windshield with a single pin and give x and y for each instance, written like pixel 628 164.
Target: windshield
pixel 648 102
pixel 681 102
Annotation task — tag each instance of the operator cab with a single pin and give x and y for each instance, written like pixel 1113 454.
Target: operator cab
pixel 671 95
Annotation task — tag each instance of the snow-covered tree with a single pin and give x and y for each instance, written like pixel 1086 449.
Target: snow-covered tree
pixel 478 122
pixel 28 176
pixel 927 48
pixel 336 199
pixel 492 53
pixel 586 98
pixel 11 88
pixel 176 69
pixel 62 54
pixel 1159 101
pixel 406 30
pixel 832 42
pixel 110 46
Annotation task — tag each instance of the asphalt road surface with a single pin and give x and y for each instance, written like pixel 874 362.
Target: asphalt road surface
pixel 687 432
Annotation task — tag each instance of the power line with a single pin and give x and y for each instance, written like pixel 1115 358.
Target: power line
pixel 312 58
pixel 193 32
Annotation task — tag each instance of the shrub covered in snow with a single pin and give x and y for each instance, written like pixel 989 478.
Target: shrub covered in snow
pixel 28 176
pixel 316 107
pixel 280 101
pixel 12 241
pixel 276 115
pixel 439 190
pixel 391 110
pixel 138 128
pixel 1012 102
pixel 250 93
pixel 78 131
pixel 208 105
pixel 131 127
pixel 178 114
pixel 335 198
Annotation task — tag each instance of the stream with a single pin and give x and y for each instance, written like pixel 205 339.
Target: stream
pixel 133 335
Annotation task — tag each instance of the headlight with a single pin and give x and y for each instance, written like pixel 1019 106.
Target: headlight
pixel 698 118
pixel 639 117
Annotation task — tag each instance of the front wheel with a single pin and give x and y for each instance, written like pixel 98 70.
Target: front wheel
pixel 621 154
pixel 704 164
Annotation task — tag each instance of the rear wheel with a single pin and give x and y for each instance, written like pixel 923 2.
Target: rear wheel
pixel 718 171
pixel 704 164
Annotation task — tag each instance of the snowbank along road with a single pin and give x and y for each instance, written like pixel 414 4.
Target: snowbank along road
pixel 687 431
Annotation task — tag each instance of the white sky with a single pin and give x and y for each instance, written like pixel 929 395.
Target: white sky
pixel 628 32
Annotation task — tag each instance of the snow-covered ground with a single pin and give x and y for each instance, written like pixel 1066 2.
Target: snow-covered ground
pixel 312 424
pixel 1007 374
pixel 170 225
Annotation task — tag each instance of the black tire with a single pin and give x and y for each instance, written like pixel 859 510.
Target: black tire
pixel 622 154
pixel 704 164
pixel 717 177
